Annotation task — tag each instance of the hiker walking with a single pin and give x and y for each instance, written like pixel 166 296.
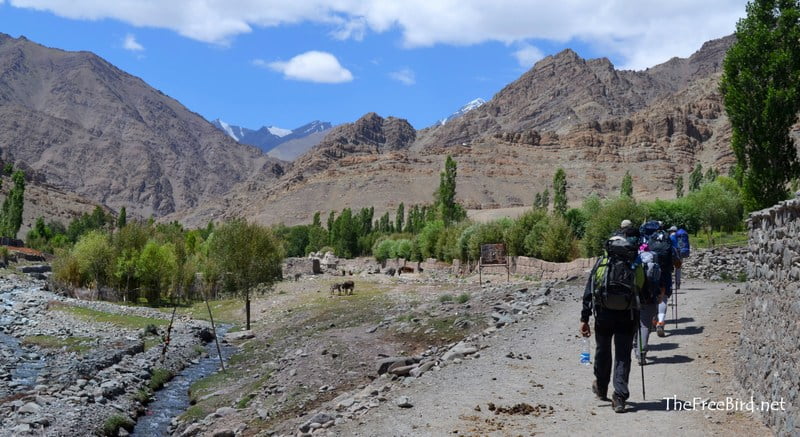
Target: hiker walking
pixel 611 294
pixel 667 257
pixel 648 309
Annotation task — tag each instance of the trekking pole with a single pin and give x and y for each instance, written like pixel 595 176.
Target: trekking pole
pixel 641 356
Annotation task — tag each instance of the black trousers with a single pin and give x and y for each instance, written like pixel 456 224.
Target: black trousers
pixel 620 327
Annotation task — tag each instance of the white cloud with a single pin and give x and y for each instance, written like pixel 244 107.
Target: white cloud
pixel 131 44
pixel 404 76
pixel 527 55
pixel 642 32
pixel 313 66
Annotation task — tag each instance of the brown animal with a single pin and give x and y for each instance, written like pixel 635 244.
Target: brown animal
pixel 405 269
pixel 336 287
pixel 348 287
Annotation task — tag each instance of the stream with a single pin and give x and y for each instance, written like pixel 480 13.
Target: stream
pixel 172 400
pixel 19 366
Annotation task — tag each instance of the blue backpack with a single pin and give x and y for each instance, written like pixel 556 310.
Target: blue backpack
pixel 648 229
pixel 684 248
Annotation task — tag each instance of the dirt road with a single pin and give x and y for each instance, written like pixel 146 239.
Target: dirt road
pixel 692 361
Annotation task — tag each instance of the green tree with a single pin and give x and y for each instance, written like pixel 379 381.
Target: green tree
pixel 245 256
pixel 316 221
pixel 696 178
pixel 711 174
pixel 93 254
pixel 545 199
pixel 560 192
pixel 399 219
pixel 122 219
pixel 603 222
pixel 154 270
pixel 445 197
pixel 718 206
pixel 761 91
pixel 558 243
pixel 679 187
pixel 626 189
pixel 12 206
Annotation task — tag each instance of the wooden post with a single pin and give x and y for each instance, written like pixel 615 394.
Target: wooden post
pixel 213 328
pixel 247 310
pixel 480 266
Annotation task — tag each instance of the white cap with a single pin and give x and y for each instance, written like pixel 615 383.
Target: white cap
pixel 625 223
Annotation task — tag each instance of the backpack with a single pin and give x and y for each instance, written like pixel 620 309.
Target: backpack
pixel 684 248
pixel 651 268
pixel 661 246
pixel 648 229
pixel 615 280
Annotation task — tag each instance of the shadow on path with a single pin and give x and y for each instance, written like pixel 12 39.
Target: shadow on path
pixel 675 359
pixel 686 330
pixel 662 346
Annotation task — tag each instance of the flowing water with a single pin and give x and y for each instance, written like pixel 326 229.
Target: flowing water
pixel 173 399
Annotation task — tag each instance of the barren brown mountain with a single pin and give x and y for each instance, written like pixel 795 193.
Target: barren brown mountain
pixel 92 129
pixel 595 121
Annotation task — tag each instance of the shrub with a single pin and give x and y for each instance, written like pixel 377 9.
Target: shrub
pixel 515 235
pixel 602 223
pixel 159 378
pixel 558 244
pixel 94 256
pixel 445 298
pixel 66 268
pixel 463 298
pixel 113 424
pixel 384 249
pixel 428 237
pixel 487 233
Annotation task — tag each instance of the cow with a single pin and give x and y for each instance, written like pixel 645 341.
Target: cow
pixel 336 287
pixel 348 287
pixel 297 276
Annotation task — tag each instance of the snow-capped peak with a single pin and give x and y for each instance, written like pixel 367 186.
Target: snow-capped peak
pixel 278 132
pixel 228 129
pixel 475 103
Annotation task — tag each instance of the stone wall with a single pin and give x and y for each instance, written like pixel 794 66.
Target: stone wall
pixel 769 349
pixel 523 265
pixel 717 264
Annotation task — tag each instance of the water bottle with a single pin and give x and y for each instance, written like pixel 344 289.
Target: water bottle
pixel 585 354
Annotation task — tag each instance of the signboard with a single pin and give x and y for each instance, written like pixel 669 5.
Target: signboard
pixel 493 254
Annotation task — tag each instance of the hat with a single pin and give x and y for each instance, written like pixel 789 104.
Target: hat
pixel 625 224
pixel 672 229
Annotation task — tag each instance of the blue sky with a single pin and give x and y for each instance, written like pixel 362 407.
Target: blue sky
pixel 284 63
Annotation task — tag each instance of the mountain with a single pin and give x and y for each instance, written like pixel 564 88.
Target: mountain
pixel 586 116
pixel 268 138
pixel 89 128
pixel 473 104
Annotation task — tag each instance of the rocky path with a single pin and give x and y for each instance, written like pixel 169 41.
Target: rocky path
pixel 503 392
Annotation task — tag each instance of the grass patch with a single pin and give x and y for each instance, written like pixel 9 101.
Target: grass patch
pixel 227 311
pixel 159 378
pixel 70 344
pixel 195 413
pixel 142 395
pixel 242 404
pixel 446 298
pixel 151 341
pixel 463 298
pixel 737 238
pixel 121 320
pixel 112 425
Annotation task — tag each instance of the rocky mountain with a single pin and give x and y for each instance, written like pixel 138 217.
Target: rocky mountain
pixel 89 128
pixel 268 138
pixel 593 120
pixel 472 104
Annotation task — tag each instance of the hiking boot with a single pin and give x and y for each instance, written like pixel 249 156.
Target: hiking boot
pixel 617 403
pixel 601 394
pixel 660 329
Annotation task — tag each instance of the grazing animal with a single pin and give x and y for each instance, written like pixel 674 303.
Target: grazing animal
pixel 390 271
pixel 349 287
pixel 336 287
pixel 297 276
pixel 405 269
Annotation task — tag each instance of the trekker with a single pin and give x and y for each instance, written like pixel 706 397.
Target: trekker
pixel 667 258
pixel 673 238
pixel 628 231
pixel 684 250
pixel 648 305
pixel 611 293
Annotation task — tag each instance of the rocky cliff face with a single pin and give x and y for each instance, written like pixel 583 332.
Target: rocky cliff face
pixel 583 115
pixel 90 128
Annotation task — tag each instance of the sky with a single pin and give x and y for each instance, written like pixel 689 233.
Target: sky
pixel 284 63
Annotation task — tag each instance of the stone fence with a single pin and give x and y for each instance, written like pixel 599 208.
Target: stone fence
pixel 769 349
pixel 538 269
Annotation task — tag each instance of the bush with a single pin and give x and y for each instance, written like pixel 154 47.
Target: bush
pixel 515 235
pixel 558 244
pixel 66 268
pixel 384 249
pixel 602 223
pixel 159 378
pixel 446 298
pixel 113 424
pixel 428 238
pixel 487 233
pixel 94 256
pixel 463 298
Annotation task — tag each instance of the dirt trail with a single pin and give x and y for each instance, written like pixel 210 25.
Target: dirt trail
pixel 691 361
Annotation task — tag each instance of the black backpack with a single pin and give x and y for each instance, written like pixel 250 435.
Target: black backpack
pixel 648 229
pixel 614 278
pixel 661 245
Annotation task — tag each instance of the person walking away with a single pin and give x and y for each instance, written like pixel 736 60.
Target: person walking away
pixel 667 259
pixel 611 293
pixel 684 251
pixel 648 306
pixel 628 231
